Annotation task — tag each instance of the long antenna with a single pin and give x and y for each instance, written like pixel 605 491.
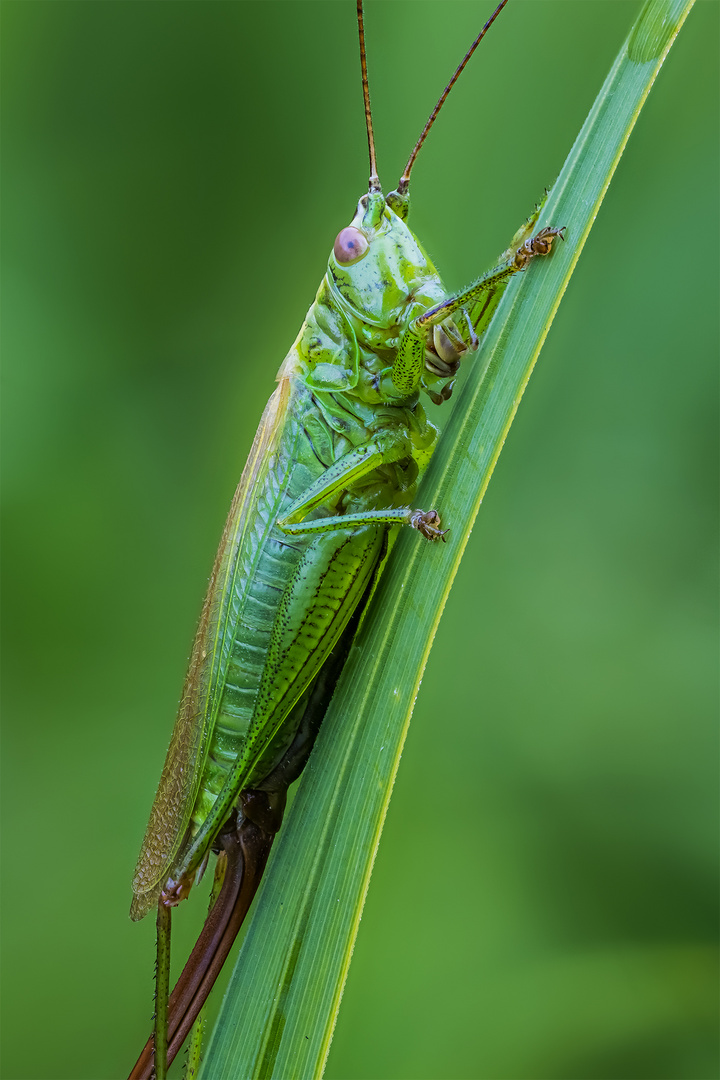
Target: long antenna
pixel 405 178
pixel 374 180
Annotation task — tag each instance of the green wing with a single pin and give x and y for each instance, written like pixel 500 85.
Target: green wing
pixel 182 772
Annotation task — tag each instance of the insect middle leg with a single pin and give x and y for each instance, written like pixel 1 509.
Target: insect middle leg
pixel 381 449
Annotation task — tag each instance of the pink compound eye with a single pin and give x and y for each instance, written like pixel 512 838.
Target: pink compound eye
pixel 350 245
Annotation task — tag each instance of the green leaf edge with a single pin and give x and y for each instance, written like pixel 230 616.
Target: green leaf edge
pixel 280 1008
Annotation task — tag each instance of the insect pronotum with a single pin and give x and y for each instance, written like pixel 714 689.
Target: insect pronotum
pixel 334 467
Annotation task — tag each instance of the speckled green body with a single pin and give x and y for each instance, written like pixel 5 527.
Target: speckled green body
pixel 335 463
pixel 278 600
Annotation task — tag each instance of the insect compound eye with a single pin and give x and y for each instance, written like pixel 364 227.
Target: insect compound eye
pixel 350 245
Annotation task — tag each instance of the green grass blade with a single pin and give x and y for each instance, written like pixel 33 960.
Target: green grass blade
pixel 279 1012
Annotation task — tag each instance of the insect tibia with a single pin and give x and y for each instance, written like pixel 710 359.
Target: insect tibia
pixel 481 298
pixel 525 231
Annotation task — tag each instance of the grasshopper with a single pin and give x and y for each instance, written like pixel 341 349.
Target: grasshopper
pixel 334 467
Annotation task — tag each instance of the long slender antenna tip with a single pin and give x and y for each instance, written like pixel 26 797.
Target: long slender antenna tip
pixel 374 180
pixel 405 178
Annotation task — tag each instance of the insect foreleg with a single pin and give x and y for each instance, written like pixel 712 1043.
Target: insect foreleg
pixel 479 300
pixel 516 261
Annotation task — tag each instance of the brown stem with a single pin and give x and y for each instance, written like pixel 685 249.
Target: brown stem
pixel 255 844
pixel 201 956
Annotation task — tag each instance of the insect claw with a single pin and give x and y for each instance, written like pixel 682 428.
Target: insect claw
pixel 427 524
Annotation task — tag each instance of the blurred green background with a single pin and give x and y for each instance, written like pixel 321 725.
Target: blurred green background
pixel 174 176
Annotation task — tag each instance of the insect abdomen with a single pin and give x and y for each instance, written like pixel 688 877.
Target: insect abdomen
pixel 263 592
pixel 264 562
